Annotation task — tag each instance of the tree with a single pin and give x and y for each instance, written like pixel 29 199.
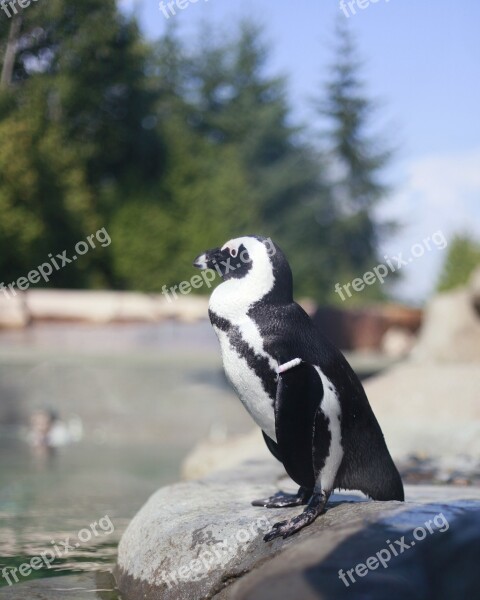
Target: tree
pixel 237 105
pixel 357 161
pixel 462 259
pixel 201 199
pixel 76 104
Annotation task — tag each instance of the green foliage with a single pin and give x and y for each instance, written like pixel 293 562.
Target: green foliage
pixel 462 259
pixel 71 135
pixel 173 148
pixel 357 159
pixel 201 203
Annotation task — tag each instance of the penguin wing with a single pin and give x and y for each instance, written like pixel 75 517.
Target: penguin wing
pixel 299 394
pixel 272 446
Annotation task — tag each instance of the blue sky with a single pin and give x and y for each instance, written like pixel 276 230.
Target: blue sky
pixel 421 61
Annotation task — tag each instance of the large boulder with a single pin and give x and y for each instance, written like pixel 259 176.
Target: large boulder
pixel 451 327
pixel 428 409
pixel 203 539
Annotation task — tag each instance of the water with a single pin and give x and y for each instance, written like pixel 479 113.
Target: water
pixel 143 395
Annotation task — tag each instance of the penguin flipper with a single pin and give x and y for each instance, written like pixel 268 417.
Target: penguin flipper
pixel 272 446
pixel 299 394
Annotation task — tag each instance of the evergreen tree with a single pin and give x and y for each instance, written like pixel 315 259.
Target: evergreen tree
pixel 239 105
pixel 357 161
pixel 200 201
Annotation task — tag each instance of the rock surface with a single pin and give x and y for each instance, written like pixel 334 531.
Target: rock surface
pixel 428 409
pixel 451 330
pixel 203 539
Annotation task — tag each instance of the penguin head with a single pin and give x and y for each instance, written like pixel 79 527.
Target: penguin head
pixel 252 263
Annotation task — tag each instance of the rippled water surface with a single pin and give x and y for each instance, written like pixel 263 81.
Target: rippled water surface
pixel 143 396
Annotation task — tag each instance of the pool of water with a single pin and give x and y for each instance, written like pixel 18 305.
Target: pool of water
pixel 142 396
pixel 50 503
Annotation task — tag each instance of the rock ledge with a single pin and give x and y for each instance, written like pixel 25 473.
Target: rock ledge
pixel 203 539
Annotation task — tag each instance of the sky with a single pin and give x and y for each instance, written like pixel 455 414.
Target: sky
pixel 422 63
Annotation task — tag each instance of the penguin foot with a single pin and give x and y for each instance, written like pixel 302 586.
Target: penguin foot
pixel 287 528
pixel 283 500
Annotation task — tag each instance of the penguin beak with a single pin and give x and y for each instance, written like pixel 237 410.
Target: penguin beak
pixel 210 258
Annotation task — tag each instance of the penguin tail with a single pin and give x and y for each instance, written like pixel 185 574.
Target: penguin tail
pixel 367 466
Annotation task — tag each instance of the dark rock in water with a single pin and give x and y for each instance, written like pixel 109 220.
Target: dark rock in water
pixel 203 539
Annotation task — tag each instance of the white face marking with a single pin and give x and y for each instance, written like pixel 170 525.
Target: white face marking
pixel 233 247
pixel 248 386
pixel 232 298
pixel 330 407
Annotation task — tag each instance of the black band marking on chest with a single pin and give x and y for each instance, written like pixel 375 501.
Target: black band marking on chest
pixel 258 364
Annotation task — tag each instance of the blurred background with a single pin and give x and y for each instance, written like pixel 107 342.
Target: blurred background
pixel 136 134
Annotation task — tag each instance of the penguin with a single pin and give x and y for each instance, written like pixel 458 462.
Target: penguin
pixel 297 386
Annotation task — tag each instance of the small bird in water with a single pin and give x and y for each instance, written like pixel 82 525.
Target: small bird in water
pixel 297 386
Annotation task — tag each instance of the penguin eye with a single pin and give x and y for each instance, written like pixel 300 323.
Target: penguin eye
pixel 233 252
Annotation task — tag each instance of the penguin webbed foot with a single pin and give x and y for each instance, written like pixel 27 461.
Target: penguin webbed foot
pixel 284 500
pixel 287 528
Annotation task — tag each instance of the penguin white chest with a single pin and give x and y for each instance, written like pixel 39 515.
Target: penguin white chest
pixel 248 385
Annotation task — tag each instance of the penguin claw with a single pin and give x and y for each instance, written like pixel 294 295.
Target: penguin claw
pixel 287 528
pixel 281 500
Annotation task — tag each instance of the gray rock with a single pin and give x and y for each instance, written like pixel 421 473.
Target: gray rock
pixel 451 330
pixel 203 539
pixel 428 409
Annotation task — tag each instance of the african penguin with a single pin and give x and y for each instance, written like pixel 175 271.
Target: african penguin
pixel 298 387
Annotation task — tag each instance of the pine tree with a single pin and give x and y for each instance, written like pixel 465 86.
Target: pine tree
pixel 239 105
pixel 201 199
pixel 357 161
